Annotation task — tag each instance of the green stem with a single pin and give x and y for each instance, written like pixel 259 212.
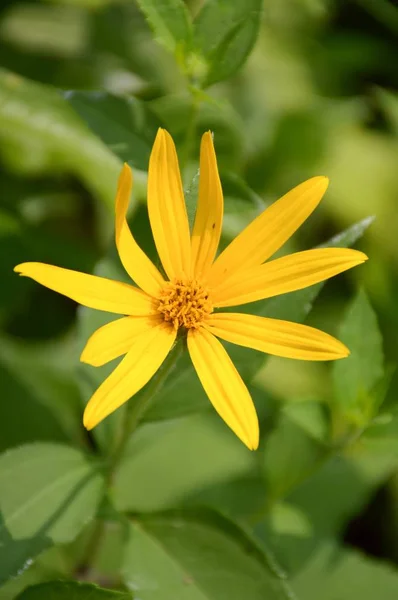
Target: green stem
pixel 137 408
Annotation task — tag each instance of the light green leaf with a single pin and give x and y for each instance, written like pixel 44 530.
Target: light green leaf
pixel 47 494
pixel 40 132
pixel 389 103
pixel 125 125
pixel 194 451
pixel 196 556
pixel 225 33
pixel 334 573
pixel 170 22
pixel 355 376
pixel 70 590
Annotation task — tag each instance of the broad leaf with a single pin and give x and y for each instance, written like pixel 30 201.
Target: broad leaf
pixel 389 103
pixel 340 489
pixel 39 132
pixel 169 20
pixel 355 377
pixel 225 33
pixel 294 448
pixel 196 556
pixel 70 590
pixel 41 396
pixel 194 451
pixel 334 573
pixel 47 493
pixel 125 125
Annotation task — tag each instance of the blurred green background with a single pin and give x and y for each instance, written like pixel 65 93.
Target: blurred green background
pixel 318 95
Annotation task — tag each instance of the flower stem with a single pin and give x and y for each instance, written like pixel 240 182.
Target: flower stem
pixel 137 408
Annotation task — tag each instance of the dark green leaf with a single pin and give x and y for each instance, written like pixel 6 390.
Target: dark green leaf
pixel 47 493
pixel 295 447
pixel 125 125
pixel 340 489
pixel 355 376
pixel 70 590
pixel 198 555
pixel 42 401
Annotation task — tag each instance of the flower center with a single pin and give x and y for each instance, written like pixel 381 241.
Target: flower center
pixel 184 303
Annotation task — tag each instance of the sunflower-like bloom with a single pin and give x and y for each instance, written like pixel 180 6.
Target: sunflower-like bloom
pixel 194 284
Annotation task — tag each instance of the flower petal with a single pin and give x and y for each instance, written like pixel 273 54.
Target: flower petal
pixel 286 274
pixel 135 261
pixel 273 336
pixel 134 371
pixel 166 207
pixel 116 338
pixel 270 230
pixel 224 386
pixel 208 220
pixel 90 290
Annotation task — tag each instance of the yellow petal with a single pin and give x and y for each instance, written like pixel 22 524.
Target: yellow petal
pixel 135 261
pixel 273 336
pixel 208 220
pixel 89 290
pixel 269 231
pixel 286 274
pixel 166 207
pixel 116 338
pixel 224 386
pixel 135 370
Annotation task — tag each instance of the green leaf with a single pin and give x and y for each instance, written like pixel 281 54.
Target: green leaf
pixel 45 399
pixel 125 125
pixel 50 565
pixel 355 376
pixel 225 33
pixel 342 487
pixel 40 132
pixel 48 492
pixel 23 417
pixel 70 590
pixel 287 533
pixel 198 556
pixel 334 573
pixel 194 451
pixel 170 22
pixel 295 447
pixel 389 103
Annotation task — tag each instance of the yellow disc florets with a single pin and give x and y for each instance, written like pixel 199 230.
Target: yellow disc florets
pixel 184 303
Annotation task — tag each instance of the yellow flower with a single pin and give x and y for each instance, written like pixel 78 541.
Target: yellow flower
pixel 194 284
